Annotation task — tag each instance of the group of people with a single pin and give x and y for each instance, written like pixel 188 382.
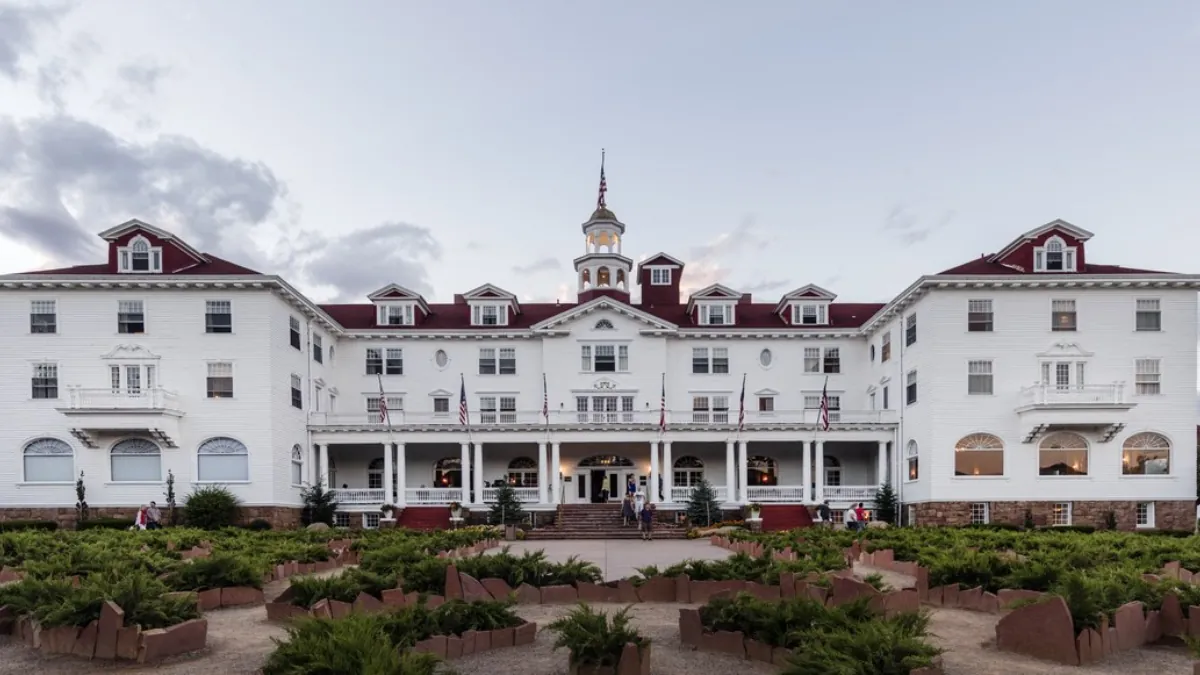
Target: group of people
pixel 855 517
pixel 148 518
pixel 634 508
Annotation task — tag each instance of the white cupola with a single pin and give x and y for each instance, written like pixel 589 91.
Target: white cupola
pixel 602 267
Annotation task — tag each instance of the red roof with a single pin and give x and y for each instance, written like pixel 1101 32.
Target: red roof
pixel 981 266
pixel 215 266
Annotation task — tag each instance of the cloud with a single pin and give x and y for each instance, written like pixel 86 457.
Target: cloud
pixel 706 264
pixel 143 78
pixel 398 254
pixel 19 25
pixel 539 265
pixel 909 229
pixel 764 286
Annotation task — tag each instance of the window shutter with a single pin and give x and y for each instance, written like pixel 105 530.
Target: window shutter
pixel 822 314
pixel 475 316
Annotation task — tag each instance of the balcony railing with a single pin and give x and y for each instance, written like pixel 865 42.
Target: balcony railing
pixel 400 418
pixel 1049 395
pixel 525 495
pixel 683 494
pixel 151 398
pixel 850 493
pixel 776 493
pixel 434 495
pixel 358 496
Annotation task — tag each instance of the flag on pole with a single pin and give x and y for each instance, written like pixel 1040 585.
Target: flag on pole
pixel 545 400
pixel 462 401
pixel 662 406
pixel 824 419
pixel 600 202
pixel 742 405
pixel 383 409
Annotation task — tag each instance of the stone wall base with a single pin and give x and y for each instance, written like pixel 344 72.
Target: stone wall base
pixel 1168 515
pixel 280 517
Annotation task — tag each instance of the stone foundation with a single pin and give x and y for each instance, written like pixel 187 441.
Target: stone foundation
pixel 280 517
pixel 1168 515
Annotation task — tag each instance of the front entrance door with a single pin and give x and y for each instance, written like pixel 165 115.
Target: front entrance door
pixel 597 481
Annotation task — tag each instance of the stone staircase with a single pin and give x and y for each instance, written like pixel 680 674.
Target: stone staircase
pixel 598 521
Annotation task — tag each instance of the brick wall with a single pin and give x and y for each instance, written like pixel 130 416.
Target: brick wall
pixel 1168 515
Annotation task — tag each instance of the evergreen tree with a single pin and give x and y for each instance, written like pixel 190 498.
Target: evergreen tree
pixel 507 509
pixel 886 504
pixel 703 507
pixel 319 505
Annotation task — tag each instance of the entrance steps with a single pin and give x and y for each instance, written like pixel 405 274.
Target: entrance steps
pixel 785 517
pixel 599 521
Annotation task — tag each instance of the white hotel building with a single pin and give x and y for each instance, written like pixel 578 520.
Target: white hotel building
pixel 1030 380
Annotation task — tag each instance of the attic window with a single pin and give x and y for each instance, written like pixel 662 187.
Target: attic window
pixel 1054 256
pixel 716 315
pixel 489 315
pixel 660 276
pixel 604 324
pixel 139 257
pixel 396 315
pixel 809 315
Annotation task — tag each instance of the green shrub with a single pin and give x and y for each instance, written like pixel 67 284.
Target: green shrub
pixel 17 525
pixel 354 644
pixel 593 638
pixel 211 507
pixel 258 525
pixel 221 570
pixel 105 524
pixel 138 593
pixel 345 587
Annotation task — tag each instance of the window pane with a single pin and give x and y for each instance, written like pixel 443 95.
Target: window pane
pixel 128 468
pixel 49 469
pixel 223 468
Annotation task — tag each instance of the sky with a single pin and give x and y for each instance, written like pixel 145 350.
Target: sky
pixel 443 145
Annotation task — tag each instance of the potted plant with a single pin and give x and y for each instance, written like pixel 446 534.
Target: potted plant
pixel 455 510
pixel 386 512
pixel 598 643
pixel 755 511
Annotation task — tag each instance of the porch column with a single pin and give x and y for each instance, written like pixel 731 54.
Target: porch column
pixel 543 473
pixel 465 462
pixel 311 461
pixel 555 473
pixel 744 471
pixel 389 495
pixel 810 494
pixel 323 465
pixel 668 471
pixel 401 476
pixel 652 484
pixel 820 478
pixel 478 466
pixel 881 464
pixel 730 473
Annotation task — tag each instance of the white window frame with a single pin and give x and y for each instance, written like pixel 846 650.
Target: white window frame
pixel 910 329
pixel 498 408
pixel 46 326
pixel 1143 515
pixel 831 361
pixel 139 245
pixel 766 404
pixel 812 401
pixel 395 405
pixel 318 348
pixel 911 392
pixel 980 513
pixel 885 347
pixel 229 447
pixel 219 368
pixel 395 314
pixel 1147 376
pixel 480 314
pixel 660 276
pixel 441 413
pixel 812 360
pixel 710 407
pixel 58 452
pixel 717 314
pixel 506 361
pixel 393 361
pixel 295 336
pixel 1060 514
pixel 112 475
pixel 214 309
pixel 810 314
pixel 981 378
pixel 1063 308
pixel 1148 307
pixel 712 358
pixel 49 372
pixel 589 353
pixel 977 309
pixel 1055 244
pixel 296 386
pixel 912 461
pixel 127 308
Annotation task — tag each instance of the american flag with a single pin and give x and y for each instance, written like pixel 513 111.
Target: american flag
pixel 824 420
pixel 662 405
pixel 742 405
pixel 545 400
pixel 383 409
pixel 603 184
pixel 462 402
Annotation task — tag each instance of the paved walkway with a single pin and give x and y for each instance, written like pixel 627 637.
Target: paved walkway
pixel 619 558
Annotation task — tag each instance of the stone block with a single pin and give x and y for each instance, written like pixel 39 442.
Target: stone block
pixel 85 642
pixel 468 642
pixel 634 661
pixel 897 602
pixel 434 601
pixel 724 642
pixel 472 590
pixel 1083 645
pixel 658 589
pixel 884 559
pixel 561 594
pixel 160 643
pixel 238 596
pixel 454 647
pixel 905 568
pixel 454 589
pixel 626 592
pixel 847 590
pixel 787 585
pixel 758 651
pixel 950 594
pixel 1010 596
pixel 129 641
pixel 970 599
pixel 1130 622
pixel 339 609
pixel 503 637
pixel 112 619
pixel 1043 630
pixel 209 599
pixel 1193 621
pixel 780 656
pixel 525 634
pixel 366 603
pixel 394 597
pixel 284 611
pixel 923 583
pixel 483 641
pixel 497 588
pixel 528 595
pixel 594 593
pixel 1153 626
pixel 818 594
pixel 763 591
pixel 691 629
pixel 59 640
pixel 701 591
pixel 683 588
pixel 989 603
pixel 1185 576
pixel 435 645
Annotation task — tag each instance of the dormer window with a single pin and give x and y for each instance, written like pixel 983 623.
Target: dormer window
pixel 139 257
pixel 489 315
pixel 809 315
pixel 1054 256
pixel 396 315
pixel 716 315
pixel 660 276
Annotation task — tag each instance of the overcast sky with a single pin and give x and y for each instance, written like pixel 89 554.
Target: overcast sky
pixel 442 145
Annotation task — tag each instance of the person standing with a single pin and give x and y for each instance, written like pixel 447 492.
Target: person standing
pixel 860 515
pixel 647 518
pixel 824 515
pixel 851 519
pixel 627 513
pixel 631 488
pixel 153 517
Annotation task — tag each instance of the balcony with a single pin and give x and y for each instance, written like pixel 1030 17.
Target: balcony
pixel 850 493
pixel 525 495
pixel 681 495
pixel 765 494
pixel 1099 408
pixel 375 497
pixel 115 412
pixel 358 497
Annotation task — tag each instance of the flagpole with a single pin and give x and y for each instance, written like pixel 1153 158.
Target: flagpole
pixel 387 418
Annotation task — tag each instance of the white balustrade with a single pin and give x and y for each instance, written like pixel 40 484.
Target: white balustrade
pixel 354 496
pixel 434 495
pixel 149 398
pixel 850 493
pixel 681 495
pixel 719 418
pixel 1046 394
pixel 776 493
pixel 525 495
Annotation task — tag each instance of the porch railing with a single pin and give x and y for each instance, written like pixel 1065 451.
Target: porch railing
pixel 147 398
pixel 776 493
pixel 719 418
pixel 683 494
pixel 525 495
pixel 351 496
pixel 851 493
pixel 434 495
pixel 1050 395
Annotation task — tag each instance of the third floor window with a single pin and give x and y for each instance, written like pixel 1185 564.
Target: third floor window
pixel 218 316
pixel 131 317
pixel 979 316
pixel 1062 315
pixel 705 360
pixel 43 317
pixel 502 361
pixel 604 358
pixel 1149 314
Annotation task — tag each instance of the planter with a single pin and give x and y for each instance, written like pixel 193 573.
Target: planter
pixel 456 513
pixel 633 659
pixel 510 532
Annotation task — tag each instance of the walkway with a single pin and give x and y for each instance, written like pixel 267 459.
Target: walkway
pixel 619 559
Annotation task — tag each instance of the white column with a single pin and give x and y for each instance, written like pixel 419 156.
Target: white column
pixel 881 464
pixel 466 473
pixel 810 495
pixel 668 472
pixel 820 450
pixel 323 465
pixel 311 461
pixel 555 471
pixel 389 495
pixel 543 473
pixel 652 484
pixel 730 473
pixel 478 465
pixel 401 476
pixel 744 471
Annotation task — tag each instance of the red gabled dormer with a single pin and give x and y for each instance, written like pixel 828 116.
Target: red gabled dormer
pixel 490 305
pixel 135 247
pixel 1054 248
pixel 715 306
pixel 805 306
pixel 659 277
pixel 396 305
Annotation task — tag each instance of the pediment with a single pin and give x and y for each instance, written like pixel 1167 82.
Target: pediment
pixel 1058 226
pixel 1065 350
pixel 395 292
pixel 488 292
pixel 135 225
pixel 441 393
pixel 661 260
pixel 130 352
pixel 810 292
pixel 597 308
pixel 766 392
pixel 716 292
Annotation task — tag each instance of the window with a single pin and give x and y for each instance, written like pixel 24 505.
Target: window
pixel 1063 453
pixel 318 350
pixel 910 388
pixel 1062 315
pixel 297 465
pixel 979 378
pixel 810 315
pixel 220 380
pixel 131 317
pixel 1060 513
pixel 1146 454
pixel 316 398
pixel 294 331
pixel 497 409
pixel 522 472
pixel 139 257
pixel 812 359
pixel 716 315
pixel 221 460
pixel 341 520
pixel 374 361
pixel 886 402
pixel 395 405
pixel 489 315
pixel 441 359
pixel 979 513
pixel 395 315
pixel 1054 256
pixel 718 365
pixel 1149 314
pixel 43 317
pixel 371 520
pixel 45 380
pixel 979 316
pixel 1148 376
pixel 979 455
pixel 394 364
pixel 136 460
pixel 912 515
pixel 766 404
pixel 764 358
pixel 604 358
pixel 375 474
pixel 913 455
pixel 218 316
pixel 604 409
pixel 297 392
pixel 441 405
pixel 812 401
pixel 49 460
pixel 447 473
pixel 871 352
pixel 508 361
pixel 910 329
pixel 832 363
pixel 710 409
pixel 885 347
pixel 604 324
pixel 871 399
pixel 660 276
pixel 687 472
pixel 1145 514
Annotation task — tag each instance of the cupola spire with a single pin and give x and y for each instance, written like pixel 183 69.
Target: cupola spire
pixel 600 198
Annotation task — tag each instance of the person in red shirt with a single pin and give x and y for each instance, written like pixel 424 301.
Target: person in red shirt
pixel 861 516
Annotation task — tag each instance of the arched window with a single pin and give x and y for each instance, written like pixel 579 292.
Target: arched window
pixel 447 473
pixel 222 459
pixel 1146 454
pixel 49 460
pixel 522 472
pixel 762 471
pixel 979 455
pixel 136 460
pixel 688 471
pixel 604 324
pixel 605 460
pixel 833 471
pixel 602 277
pixel 585 278
pixel 1063 453
pixel 297 465
pixel 375 474
pixel 913 456
pixel 621 278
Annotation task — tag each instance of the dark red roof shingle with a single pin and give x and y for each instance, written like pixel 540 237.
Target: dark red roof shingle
pixel 214 266
pixel 982 266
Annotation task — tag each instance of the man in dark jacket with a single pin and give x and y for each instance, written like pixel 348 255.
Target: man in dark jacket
pixel 824 515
